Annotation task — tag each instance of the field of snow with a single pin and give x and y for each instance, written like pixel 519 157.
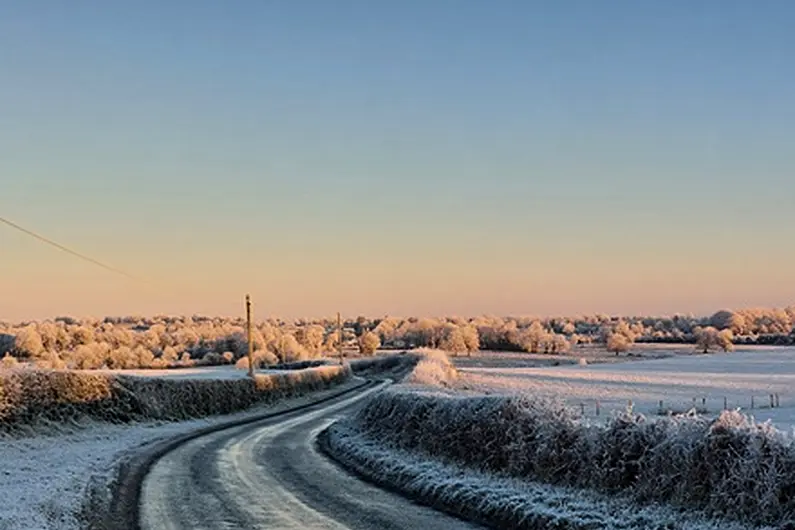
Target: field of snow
pixel 679 381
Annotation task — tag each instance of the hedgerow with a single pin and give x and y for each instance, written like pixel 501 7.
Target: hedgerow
pixel 29 398
pixel 729 466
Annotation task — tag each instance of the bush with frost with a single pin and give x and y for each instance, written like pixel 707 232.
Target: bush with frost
pixel 434 368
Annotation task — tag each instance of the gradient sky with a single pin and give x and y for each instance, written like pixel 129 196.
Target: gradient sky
pixel 413 157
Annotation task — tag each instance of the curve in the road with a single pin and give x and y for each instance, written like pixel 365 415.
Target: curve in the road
pixel 268 474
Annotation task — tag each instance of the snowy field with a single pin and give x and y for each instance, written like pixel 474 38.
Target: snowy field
pixel 678 381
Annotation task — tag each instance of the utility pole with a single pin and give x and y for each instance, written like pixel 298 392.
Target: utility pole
pixel 339 336
pixel 248 338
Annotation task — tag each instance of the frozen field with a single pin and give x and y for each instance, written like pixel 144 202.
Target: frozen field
pixel 678 381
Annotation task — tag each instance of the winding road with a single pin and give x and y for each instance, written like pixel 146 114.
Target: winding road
pixel 268 474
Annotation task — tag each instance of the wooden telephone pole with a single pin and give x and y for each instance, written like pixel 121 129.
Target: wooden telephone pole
pixel 248 338
pixel 339 337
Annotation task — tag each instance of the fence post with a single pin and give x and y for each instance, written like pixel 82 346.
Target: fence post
pixel 725 403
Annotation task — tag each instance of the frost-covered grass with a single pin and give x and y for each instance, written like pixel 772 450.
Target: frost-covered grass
pixel 32 399
pixel 728 467
pixel 676 381
pixel 500 501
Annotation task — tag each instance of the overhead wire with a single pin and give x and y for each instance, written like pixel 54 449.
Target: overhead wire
pixel 68 250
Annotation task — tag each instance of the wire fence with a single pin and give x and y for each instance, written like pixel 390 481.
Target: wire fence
pixel 704 405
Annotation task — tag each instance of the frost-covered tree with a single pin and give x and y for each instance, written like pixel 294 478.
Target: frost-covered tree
pixel 453 340
pixel 369 343
pixel 618 343
pixel 709 338
pixel 28 343
pixel 311 338
pixel 288 350
pixel 471 338
pixel 532 339
pixel 558 344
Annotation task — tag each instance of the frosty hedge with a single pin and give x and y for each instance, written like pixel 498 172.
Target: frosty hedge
pixel 30 398
pixel 729 467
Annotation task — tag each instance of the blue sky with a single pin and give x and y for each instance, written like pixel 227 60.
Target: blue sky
pixel 402 157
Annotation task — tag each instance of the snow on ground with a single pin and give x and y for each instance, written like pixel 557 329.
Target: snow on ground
pixel 43 479
pixel 676 381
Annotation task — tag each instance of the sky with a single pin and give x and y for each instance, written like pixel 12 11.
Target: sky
pixel 451 157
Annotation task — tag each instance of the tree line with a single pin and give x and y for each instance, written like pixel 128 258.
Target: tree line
pixel 168 341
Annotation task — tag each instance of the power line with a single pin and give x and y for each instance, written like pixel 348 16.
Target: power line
pixel 65 249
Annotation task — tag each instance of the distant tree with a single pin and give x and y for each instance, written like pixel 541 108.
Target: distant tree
pixel 726 340
pixel 289 350
pixel 143 356
pixel 311 338
pixel 369 343
pixel 735 322
pixel 453 340
pixel 27 342
pixel 708 338
pixel 532 339
pixel 558 344
pixel 471 338
pixel 82 335
pixel 170 354
pixel 618 343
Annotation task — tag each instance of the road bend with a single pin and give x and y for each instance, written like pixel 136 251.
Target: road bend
pixel 269 475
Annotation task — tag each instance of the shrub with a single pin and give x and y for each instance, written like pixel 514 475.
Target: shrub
pixel 434 368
